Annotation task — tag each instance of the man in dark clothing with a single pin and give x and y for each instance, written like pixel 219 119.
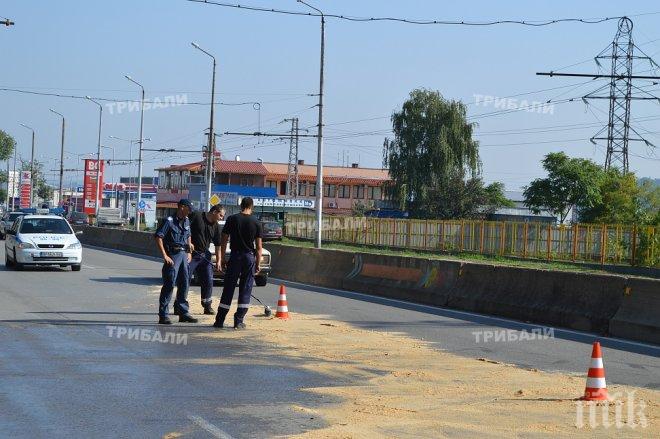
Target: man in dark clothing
pixel 173 240
pixel 205 229
pixel 243 264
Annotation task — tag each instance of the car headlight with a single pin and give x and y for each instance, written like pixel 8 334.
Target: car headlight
pixel 24 245
pixel 75 246
pixel 265 260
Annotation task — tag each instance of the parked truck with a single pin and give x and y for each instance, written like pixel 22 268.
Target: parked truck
pixel 110 217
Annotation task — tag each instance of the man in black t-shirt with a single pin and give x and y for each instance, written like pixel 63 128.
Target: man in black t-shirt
pixel 243 264
pixel 205 229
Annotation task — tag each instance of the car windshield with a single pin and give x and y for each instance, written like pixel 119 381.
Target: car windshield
pixel 271 226
pixel 46 225
pixel 78 215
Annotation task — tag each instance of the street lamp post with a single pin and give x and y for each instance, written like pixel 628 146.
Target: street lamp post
pixel 32 179
pixel 14 185
pixel 61 157
pixel 319 159
pixel 98 199
pixel 112 177
pixel 7 195
pixel 130 169
pixel 140 141
pixel 210 151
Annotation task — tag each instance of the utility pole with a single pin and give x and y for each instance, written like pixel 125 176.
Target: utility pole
pixel 319 152
pixel 292 170
pixel 98 199
pixel 620 54
pixel 141 141
pixel 61 158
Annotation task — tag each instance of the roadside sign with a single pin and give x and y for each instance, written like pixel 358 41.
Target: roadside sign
pixel 142 205
pixel 214 199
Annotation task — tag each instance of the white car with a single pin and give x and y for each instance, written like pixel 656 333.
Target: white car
pixel 260 280
pixel 42 240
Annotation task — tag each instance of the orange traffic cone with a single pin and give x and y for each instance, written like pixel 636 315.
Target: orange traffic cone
pixel 596 389
pixel 282 306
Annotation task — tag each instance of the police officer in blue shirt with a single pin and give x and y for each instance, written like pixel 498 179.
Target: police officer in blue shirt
pixel 173 239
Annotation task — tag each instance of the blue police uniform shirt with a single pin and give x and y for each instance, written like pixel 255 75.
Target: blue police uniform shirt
pixel 175 231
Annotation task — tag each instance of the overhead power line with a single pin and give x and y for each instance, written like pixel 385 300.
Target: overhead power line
pixel 147 101
pixel 533 23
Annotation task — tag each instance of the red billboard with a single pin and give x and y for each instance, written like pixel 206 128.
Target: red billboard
pixel 26 189
pixel 90 195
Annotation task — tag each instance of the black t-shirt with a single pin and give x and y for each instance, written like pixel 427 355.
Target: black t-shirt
pixel 242 230
pixel 203 232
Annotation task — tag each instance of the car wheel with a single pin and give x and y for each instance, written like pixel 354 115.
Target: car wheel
pixel 76 267
pixel 18 267
pixel 2 237
pixel 261 281
pixel 8 262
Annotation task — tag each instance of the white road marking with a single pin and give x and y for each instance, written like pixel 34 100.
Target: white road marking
pixel 467 313
pixel 89 266
pixel 214 430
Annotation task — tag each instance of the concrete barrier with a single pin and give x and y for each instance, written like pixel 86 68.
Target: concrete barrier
pixel 639 315
pixel 326 268
pixel 414 279
pixel 142 243
pixel 572 300
pixel 607 304
pixel 575 300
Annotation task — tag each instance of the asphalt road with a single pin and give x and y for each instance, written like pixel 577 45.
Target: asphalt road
pixel 62 374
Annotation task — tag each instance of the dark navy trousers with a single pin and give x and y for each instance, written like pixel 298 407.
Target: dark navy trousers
pixel 240 268
pixel 176 274
pixel 202 266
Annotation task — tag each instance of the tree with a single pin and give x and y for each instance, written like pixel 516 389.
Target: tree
pixel 571 183
pixel 619 196
pixel 432 145
pixel 359 209
pixel 460 198
pixel 649 202
pixel 7 145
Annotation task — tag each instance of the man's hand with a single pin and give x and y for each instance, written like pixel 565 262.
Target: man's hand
pixel 189 257
pixel 218 265
pixel 168 260
pixel 192 247
pixel 223 264
pixel 256 269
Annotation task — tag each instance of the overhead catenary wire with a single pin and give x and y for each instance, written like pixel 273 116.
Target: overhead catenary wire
pixel 532 23
pixel 147 101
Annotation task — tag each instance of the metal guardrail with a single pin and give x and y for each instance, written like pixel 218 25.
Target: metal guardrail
pixel 600 243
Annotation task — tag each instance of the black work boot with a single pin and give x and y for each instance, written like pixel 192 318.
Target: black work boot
pixel 220 318
pixel 164 321
pixel 207 309
pixel 187 318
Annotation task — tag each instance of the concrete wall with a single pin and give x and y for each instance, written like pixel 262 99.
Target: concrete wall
pixel 615 305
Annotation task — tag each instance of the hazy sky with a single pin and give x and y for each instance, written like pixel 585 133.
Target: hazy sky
pixel 77 47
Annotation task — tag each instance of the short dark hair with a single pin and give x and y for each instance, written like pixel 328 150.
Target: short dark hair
pixel 216 208
pixel 247 203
